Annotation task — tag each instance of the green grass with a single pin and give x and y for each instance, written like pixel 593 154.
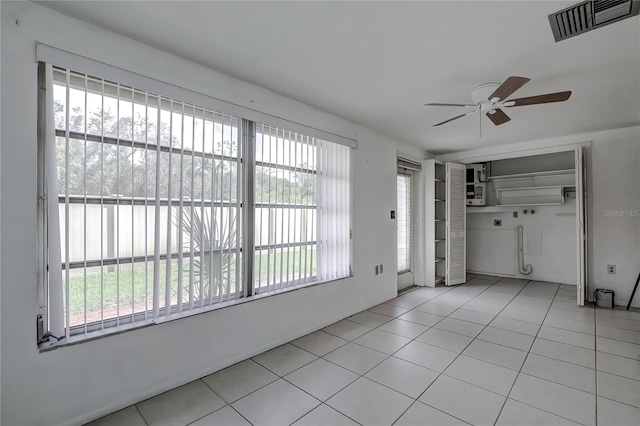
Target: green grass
pixel 112 287
pixel 275 262
pixel 134 285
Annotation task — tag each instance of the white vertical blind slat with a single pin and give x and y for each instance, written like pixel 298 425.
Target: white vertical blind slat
pixel 167 283
pixel 117 228
pixel 228 240
pixel 291 142
pixel 146 204
pixel 204 245
pixel 320 213
pixel 261 210
pixel 84 210
pixel 219 221
pixel 54 257
pixel 133 210
pixel 311 232
pixel 66 206
pixel 180 219
pixel 156 226
pixel 269 218
pixel 239 222
pixel 102 208
pixel 203 221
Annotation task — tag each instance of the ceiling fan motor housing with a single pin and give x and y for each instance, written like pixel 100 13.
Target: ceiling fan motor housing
pixel 481 93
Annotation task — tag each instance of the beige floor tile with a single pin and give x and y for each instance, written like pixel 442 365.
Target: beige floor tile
pixel 181 405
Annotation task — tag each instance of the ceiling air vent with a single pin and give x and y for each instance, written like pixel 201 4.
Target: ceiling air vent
pixel 589 15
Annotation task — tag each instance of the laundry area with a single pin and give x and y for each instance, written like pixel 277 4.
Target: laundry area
pixel 521 218
pixel 518 216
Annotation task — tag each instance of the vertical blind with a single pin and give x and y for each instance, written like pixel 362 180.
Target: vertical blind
pixel 144 206
pixel 334 198
pixel 404 222
pixel 285 209
pixel 148 202
pixel 302 210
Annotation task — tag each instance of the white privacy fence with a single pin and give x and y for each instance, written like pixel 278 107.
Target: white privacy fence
pixel 127 231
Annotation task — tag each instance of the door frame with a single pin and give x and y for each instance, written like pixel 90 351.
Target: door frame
pixel 582 199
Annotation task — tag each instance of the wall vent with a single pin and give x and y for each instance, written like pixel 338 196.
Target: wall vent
pixel 590 15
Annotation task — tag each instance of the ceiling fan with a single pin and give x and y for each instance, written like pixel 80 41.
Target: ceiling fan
pixel 490 98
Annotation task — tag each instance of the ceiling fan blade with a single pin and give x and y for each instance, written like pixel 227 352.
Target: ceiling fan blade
pixel 509 86
pixel 541 99
pixel 498 117
pixel 452 105
pixel 451 119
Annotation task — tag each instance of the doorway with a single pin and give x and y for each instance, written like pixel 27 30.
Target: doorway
pixel 404 219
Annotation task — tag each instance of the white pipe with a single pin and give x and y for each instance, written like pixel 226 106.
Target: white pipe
pixel 524 269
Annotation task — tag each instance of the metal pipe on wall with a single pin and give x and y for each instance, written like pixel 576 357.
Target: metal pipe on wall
pixel 524 269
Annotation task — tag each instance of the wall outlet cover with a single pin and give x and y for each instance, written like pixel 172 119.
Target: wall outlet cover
pixel 611 269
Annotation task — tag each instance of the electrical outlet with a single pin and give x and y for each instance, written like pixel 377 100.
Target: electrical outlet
pixel 377 269
pixel 611 269
pixel 380 268
pixel 515 214
pixel 497 222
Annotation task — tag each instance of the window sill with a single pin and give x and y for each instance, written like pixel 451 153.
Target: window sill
pixel 111 331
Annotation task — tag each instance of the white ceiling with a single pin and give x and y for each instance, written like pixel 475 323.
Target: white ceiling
pixel 377 63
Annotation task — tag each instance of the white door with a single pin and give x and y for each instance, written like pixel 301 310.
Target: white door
pixel 581 223
pixel 404 220
pixel 455 224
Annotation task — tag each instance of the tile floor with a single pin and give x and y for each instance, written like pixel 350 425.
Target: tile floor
pixel 491 351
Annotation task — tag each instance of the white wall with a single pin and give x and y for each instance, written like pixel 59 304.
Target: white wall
pixel 549 242
pixel 615 189
pixel 78 383
pixel 613 186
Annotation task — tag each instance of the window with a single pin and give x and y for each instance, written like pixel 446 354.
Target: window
pixel 301 192
pixel 148 200
pixel 149 217
pixel 404 221
pixel 285 209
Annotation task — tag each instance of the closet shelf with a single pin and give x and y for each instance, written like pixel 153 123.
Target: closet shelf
pixel 533 189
